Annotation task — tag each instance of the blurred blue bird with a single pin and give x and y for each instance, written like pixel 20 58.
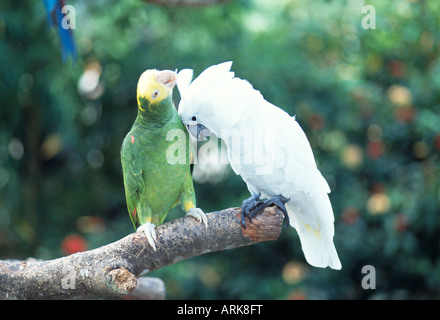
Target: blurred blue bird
pixel 55 17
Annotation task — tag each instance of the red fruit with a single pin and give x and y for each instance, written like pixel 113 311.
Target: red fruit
pixel 437 142
pixel 401 222
pixel 350 215
pixel 297 295
pixel 404 114
pixel 73 243
pixel 375 149
pixel 316 121
pixel 397 68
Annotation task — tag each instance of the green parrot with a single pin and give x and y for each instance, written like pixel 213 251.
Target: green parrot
pixel 154 180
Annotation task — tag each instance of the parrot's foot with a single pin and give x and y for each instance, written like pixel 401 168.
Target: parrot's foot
pixel 149 229
pixel 279 201
pixel 248 206
pixel 199 215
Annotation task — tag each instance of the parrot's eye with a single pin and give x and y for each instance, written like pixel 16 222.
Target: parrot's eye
pixel 194 118
pixel 155 94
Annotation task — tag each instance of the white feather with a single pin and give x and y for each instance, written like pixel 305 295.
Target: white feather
pixel 184 78
pixel 285 165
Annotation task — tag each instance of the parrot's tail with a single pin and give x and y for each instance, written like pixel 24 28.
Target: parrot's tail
pixel 315 233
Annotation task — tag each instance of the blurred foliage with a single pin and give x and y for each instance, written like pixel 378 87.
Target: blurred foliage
pixel 368 100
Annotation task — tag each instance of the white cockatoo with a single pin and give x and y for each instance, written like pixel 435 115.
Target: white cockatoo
pixel 268 149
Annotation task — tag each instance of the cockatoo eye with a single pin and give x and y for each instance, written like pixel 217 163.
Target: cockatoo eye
pixel 194 118
pixel 155 94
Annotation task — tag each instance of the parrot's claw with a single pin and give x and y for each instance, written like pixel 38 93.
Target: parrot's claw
pixel 149 229
pixel 248 206
pixel 279 201
pixel 199 215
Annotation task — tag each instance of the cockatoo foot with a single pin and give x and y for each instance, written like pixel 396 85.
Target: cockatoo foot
pixel 149 229
pixel 199 215
pixel 279 201
pixel 248 206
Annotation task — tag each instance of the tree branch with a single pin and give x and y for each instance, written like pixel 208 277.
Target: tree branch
pixel 113 270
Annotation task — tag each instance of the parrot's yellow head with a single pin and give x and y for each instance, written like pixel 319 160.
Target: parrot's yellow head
pixel 154 86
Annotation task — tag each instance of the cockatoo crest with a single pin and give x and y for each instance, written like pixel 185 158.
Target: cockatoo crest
pixel 209 79
pixel 184 79
pixel 217 83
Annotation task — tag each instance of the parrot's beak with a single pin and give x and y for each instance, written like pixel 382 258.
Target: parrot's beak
pixel 167 78
pixel 199 131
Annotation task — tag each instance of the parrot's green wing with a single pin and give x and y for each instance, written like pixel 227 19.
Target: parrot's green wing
pixel 133 181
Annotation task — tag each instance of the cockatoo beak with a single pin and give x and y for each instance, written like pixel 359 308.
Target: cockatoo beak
pixel 167 77
pixel 199 131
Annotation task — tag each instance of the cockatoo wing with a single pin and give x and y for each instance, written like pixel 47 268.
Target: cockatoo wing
pixel 310 211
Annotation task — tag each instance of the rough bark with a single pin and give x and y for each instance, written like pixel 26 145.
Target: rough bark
pixel 114 269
